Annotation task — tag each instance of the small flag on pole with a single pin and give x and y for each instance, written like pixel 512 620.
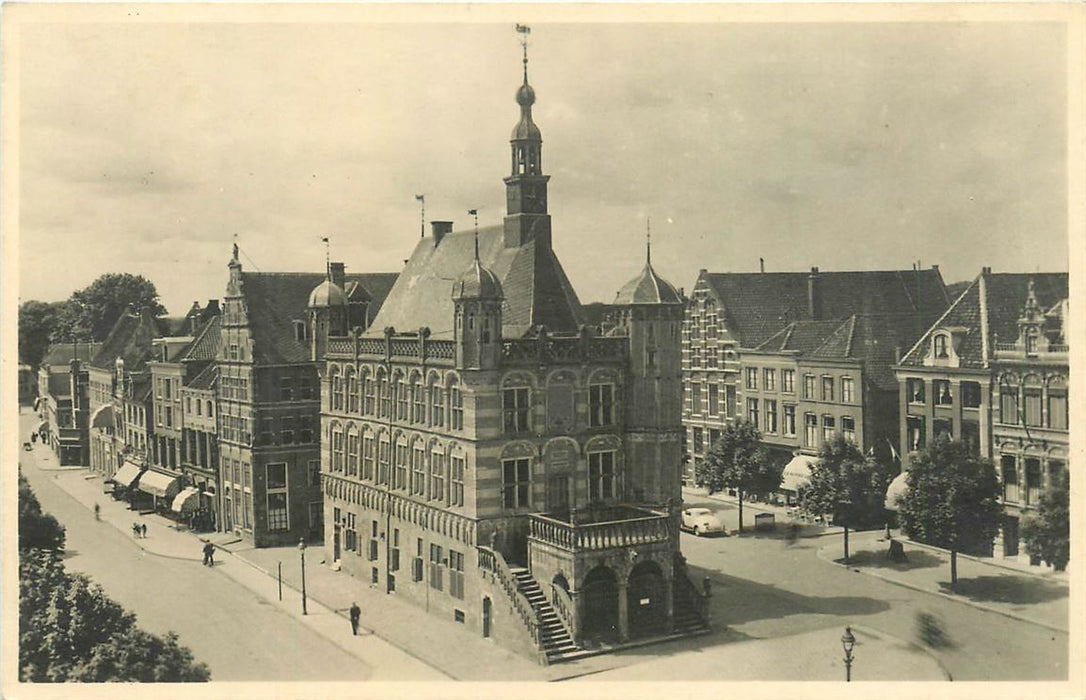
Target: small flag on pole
pixel 473 212
pixel 420 198
pixel 523 29
pixel 324 240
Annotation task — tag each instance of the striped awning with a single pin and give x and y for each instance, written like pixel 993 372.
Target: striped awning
pixel 894 491
pixel 188 499
pixel 797 472
pixel 127 474
pixel 159 484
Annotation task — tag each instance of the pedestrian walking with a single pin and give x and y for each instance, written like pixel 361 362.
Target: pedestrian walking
pixel 135 529
pixel 209 554
pixel 97 512
pixel 356 614
pixel 143 530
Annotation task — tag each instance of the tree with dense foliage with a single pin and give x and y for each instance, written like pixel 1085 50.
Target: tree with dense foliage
pixel 1047 532
pixel 69 630
pixel 951 500
pixel 37 320
pixel 90 313
pixel 37 530
pixel 848 486
pixel 738 461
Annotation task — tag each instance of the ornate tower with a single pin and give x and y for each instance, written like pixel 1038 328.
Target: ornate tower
pixel 526 187
pixel 327 315
pixel 477 300
pixel 651 313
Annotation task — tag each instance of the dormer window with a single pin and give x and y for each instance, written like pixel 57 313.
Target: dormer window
pixel 941 346
pixel 301 331
pixel 1031 340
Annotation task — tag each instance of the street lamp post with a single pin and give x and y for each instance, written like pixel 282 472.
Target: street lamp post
pixel 847 642
pixel 301 550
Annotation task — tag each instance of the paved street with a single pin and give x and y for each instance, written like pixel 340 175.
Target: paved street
pixel 775 605
pixel 238 634
pixel 766 588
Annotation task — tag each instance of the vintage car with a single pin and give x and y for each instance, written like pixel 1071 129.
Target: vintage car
pixel 701 521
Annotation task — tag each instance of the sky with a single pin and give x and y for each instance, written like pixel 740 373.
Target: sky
pixel 147 146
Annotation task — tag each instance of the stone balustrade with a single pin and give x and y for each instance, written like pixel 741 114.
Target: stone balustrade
pixel 599 535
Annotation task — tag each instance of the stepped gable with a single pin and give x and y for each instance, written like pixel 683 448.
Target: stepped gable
pixel 759 304
pixel 1005 296
pixel 274 300
pixel 536 289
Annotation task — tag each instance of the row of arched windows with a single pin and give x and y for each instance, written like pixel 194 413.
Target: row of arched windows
pixel 432 470
pixel 402 397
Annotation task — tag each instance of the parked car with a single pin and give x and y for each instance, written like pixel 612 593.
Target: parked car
pixel 701 521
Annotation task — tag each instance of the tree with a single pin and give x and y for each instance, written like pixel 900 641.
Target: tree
pixel 1048 531
pixel 37 321
pixel 952 500
pixel 37 530
pixel 69 630
pixel 848 486
pixel 90 313
pixel 737 461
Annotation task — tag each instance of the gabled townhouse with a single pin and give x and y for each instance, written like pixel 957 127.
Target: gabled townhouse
pixel 729 315
pixel 62 402
pixel 267 392
pixel 993 372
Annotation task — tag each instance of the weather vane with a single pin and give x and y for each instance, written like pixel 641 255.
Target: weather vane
pixel 524 30
pixel 327 256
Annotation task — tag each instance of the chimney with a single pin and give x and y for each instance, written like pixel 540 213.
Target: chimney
pixel 212 308
pixel 897 354
pixel 335 270
pixel 761 265
pixel 814 296
pixel 985 270
pixel 440 229
pixel 194 317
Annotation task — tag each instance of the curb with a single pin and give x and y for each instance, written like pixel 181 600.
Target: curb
pixel 956 599
pixel 991 562
pixel 372 630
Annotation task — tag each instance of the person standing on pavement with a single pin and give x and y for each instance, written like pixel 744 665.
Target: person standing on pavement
pixel 143 530
pixel 135 529
pixel 97 512
pixel 209 554
pixel 356 614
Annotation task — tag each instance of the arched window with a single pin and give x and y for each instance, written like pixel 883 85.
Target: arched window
pixel 456 405
pixel 437 403
pixel 337 389
pixel 352 391
pixel 418 407
pixel 418 469
pixel 400 392
pixel 337 447
pixel 437 472
pixel 352 451
pixel 400 465
pixel 941 346
pixel 383 398
pixel 368 401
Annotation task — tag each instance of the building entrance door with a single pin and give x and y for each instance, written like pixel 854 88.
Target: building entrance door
pixel 335 542
pixel 1010 536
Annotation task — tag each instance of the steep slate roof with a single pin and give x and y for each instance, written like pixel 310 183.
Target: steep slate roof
pixel 60 385
pixel 1005 298
pixel 537 291
pixel 204 380
pixel 647 288
pixel 800 336
pixel 276 299
pixel 205 346
pixel 758 304
pixel 63 353
pixel 130 339
pixel 874 339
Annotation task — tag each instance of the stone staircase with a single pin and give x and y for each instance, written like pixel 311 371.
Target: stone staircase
pixel 688 621
pixel 557 643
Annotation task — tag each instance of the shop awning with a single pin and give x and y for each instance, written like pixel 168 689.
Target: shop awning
pixel 797 472
pixel 127 474
pixel 159 484
pixel 894 491
pixel 188 499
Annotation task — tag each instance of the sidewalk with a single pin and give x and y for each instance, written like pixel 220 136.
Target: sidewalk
pixel 809 656
pixel 390 627
pixel 1022 595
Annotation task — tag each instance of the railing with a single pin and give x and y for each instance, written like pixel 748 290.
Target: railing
pixel 493 562
pixel 563 606
pixel 596 536
pixel 410 347
pixel 686 590
pixel 1021 349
